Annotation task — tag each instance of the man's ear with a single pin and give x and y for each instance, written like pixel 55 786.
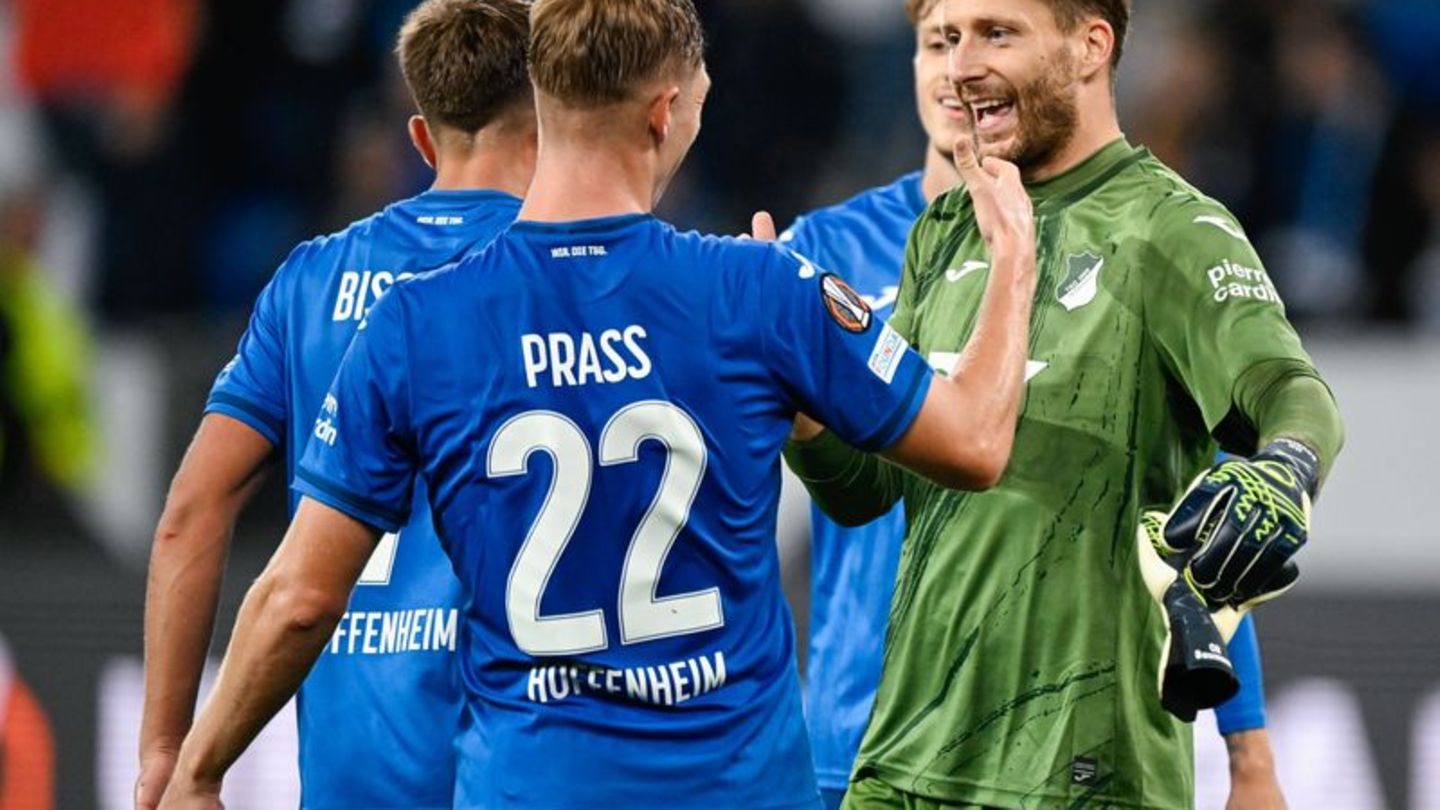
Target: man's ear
pixel 661 110
pixel 422 139
pixel 1096 48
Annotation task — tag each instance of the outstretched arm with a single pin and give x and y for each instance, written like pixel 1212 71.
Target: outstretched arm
pixel 965 429
pixel 283 626
pixel 223 468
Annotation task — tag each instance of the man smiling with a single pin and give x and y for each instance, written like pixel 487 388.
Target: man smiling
pixel 1019 668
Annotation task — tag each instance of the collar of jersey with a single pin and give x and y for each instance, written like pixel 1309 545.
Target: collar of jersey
pixel 453 195
pixel 597 225
pixel 1089 174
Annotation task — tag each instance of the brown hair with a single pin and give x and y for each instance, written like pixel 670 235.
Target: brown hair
pixel 591 52
pixel 464 60
pixel 1068 13
pixel 916 10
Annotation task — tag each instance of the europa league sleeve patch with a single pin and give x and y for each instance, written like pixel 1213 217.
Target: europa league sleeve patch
pixel 845 305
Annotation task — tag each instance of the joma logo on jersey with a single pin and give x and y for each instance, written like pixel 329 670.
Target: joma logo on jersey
pixel 359 290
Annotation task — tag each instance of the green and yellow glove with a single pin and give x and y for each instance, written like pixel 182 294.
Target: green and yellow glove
pixel 1241 522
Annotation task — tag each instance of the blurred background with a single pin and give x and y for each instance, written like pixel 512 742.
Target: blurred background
pixel 159 157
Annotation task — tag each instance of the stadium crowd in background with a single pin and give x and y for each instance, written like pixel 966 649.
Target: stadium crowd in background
pixel 1313 121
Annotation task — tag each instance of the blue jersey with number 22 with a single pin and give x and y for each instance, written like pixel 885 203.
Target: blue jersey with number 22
pixel 598 409
pixel 379 712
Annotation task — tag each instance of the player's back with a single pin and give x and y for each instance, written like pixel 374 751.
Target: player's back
pixel 378 712
pixel 601 433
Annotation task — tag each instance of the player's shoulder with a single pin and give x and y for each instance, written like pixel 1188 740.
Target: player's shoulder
pixel 323 254
pixel 723 253
pixel 1175 211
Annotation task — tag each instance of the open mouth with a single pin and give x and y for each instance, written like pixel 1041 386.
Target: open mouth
pixel 992 114
pixel 954 108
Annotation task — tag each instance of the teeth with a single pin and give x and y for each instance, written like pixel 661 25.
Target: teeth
pixel 951 104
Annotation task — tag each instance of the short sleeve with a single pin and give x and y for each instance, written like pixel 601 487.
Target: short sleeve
pixel 1210 307
pixel 840 363
pixel 360 458
pixel 251 387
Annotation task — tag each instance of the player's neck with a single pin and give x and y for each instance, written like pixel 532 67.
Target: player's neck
pixel 575 181
pixel 497 160
pixel 1097 125
pixel 940 174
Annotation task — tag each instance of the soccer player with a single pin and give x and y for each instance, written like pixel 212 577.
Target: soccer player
pixel 1019 666
pixel 378 713
pixel 853 569
pixel 597 405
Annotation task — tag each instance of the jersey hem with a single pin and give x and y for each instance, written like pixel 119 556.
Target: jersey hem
pixel 249 414
pixel 965 792
pixel 334 496
pixel 904 416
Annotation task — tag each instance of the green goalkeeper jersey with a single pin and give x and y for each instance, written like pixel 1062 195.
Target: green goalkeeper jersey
pixel 1020 665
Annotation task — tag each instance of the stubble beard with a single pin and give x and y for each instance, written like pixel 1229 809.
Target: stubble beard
pixel 1049 115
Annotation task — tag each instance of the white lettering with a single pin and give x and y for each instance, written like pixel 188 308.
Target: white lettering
pixel 618 366
pixel 445 630
pixel 677 674
pixel 589 360
pixel 536 690
pixel 562 359
pixel 632 336
pixel 532 347
pixel 371 631
pixel 345 300
pixel 660 684
pixel 712 678
pixel 576 359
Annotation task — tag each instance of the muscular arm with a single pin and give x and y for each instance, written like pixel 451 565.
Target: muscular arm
pixel 284 623
pixel 223 468
pixel 965 429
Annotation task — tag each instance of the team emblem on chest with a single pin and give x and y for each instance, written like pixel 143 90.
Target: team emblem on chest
pixel 1081 280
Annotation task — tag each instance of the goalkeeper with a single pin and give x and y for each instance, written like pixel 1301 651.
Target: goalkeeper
pixel 1020 666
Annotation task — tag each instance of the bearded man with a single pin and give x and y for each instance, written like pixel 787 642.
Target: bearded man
pixel 1020 662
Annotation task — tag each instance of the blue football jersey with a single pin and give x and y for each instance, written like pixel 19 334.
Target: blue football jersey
pixel 379 712
pixel 853 570
pixel 598 410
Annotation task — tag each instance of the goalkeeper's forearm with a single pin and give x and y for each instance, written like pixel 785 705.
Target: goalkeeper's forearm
pixel 851 486
pixel 1288 400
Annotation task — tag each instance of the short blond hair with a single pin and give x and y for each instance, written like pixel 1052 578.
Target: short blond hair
pixel 593 52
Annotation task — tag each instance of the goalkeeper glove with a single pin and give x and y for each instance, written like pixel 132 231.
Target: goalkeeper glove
pixel 1241 522
pixel 1194 671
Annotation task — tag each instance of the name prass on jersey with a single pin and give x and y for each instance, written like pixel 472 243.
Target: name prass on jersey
pixel 574 359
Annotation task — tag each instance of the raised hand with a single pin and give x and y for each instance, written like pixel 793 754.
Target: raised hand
pixel 1003 211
